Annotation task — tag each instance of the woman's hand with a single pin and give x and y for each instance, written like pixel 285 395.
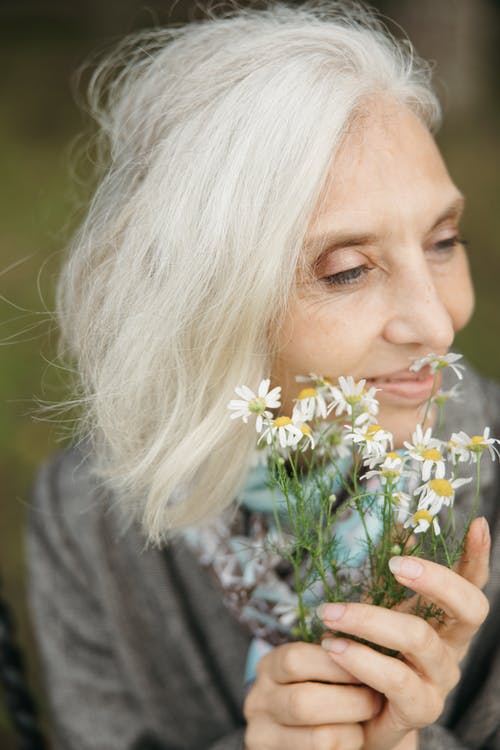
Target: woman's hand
pixel 416 684
pixel 302 700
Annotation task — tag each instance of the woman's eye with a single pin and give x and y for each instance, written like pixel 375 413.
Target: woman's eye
pixel 351 276
pixel 449 243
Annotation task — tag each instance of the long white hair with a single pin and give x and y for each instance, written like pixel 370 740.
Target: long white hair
pixel 219 136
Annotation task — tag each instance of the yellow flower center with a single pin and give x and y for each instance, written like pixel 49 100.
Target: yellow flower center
pixel 281 421
pixel 441 487
pixel 432 454
pixel 257 405
pixel 390 474
pixel 356 397
pixel 440 363
pixel 307 393
pixel 423 515
pixel 372 430
pixel 393 456
pixel 440 398
pixel 477 444
pixel 305 429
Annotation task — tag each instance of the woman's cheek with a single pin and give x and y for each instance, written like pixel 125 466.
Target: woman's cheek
pixel 462 299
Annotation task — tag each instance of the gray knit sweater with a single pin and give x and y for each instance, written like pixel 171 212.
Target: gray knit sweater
pixel 139 650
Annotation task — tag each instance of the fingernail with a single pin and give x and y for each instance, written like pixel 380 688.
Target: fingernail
pixel 336 645
pixel 405 567
pixel 330 611
pixel 485 530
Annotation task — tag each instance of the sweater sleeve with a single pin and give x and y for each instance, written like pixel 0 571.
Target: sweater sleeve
pixel 93 702
pixel 232 741
pixel 436 737
pixel 89 702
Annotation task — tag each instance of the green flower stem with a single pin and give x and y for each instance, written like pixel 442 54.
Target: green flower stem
pixel 320 568
pixel 283 484
pixel 416 549
pixel 449 562
pixel 361 512
pixel 317 555
pixel 387 526
pixel 450 523
pixel 476 502
pixel 429 400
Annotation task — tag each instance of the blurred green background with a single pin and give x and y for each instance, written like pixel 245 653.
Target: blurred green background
pixel 42 44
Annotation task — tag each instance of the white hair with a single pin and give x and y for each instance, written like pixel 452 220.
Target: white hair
pixel 219 138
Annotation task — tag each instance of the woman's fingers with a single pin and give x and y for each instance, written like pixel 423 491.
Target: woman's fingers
pixel 473 565
pixel 464 604
pixel 455 595
pixel 312 703
pixel 263 733
pixel 413 701
pixel 299 662
pixel 293 689
pixel 408 634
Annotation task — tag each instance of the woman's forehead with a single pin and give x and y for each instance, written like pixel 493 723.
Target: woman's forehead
pixel 392 171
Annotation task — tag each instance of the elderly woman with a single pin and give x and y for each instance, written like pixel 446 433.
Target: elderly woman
pixel 273 202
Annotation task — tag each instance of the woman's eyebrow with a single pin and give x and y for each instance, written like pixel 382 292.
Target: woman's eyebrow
pixel 334 239
pixel 453 210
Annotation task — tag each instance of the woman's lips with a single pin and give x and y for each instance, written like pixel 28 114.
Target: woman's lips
pixel 406 385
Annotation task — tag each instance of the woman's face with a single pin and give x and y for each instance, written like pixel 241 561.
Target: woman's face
pixel 391 281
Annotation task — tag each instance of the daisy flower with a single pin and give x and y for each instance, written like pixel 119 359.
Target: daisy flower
pixel 389 471
pixel 352 398
pixel 421 442
pixel 422 520
pixel 320 382
pixel 438 362
pixel 438 492
pixel 401 500
pixel 467 448
pixel 287 432
pixel 255 404
pixel 373 440
pixel 374 461
pixel 442 397
pixel 308 440
pixel 310 403
pixel 432 458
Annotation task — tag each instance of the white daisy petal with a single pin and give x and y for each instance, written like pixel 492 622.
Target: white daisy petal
pixel 263 387
pixel 245 392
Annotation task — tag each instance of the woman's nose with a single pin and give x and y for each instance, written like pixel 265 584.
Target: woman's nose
pixel 419 314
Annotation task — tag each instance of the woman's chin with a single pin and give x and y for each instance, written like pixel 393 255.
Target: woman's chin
pixel 402 422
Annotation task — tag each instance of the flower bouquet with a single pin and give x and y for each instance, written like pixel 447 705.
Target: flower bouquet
pixel 345 501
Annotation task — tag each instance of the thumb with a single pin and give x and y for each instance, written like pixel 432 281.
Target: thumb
pixel 474 562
